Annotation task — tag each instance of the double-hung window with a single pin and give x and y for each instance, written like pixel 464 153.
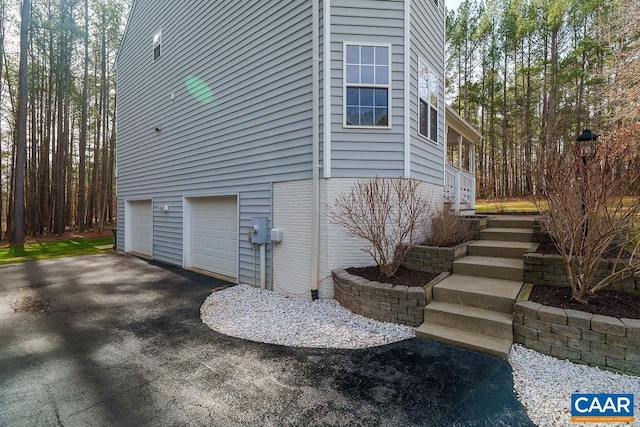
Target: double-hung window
pixel 367 76
pixel 427 102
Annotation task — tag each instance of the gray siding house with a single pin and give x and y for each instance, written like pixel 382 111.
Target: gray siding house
pixel 234 114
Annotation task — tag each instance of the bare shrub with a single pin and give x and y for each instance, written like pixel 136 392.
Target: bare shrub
pixel 385 212
pixel 448 229
pixel 500 205
pixel 589 218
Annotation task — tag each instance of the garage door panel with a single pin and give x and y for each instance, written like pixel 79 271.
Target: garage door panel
pixel 214 235
pixel 141 227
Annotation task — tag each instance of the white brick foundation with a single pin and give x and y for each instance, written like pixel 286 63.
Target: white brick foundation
pixel 292 258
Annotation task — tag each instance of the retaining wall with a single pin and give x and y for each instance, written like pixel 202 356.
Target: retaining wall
pixel 435 259
pixel 581 337
pixel 549 269
pixel 380 301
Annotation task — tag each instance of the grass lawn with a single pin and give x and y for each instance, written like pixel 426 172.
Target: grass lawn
pixel 510 205
pixel 53 249
pixel 517 205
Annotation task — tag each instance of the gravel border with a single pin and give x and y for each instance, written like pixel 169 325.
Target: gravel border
pixel 544 385
pixel 263 316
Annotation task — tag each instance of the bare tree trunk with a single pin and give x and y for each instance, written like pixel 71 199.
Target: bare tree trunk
pixel 505 125
pixel 32 190
pixel 82 188
pixel 550 118
pixel 63 111
pixel 21 131
pixel 112 162
pixel 102 199
pixel 45 150
pixel 2 8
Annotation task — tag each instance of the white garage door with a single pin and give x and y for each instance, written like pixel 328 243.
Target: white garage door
pixel 214 235
pixel 141 231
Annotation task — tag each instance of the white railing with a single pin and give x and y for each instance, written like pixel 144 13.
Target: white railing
pixel 459 188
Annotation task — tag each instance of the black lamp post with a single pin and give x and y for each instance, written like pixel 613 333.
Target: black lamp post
pixel 587 146
pixel 588 143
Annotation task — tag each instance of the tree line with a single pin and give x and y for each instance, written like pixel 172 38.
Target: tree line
pixel 532 74
pixel 57 115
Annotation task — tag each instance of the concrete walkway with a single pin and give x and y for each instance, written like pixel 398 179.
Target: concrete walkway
pixel 123 345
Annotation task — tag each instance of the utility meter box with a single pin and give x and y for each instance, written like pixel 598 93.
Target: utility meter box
pixel 259 232
pixel 276 235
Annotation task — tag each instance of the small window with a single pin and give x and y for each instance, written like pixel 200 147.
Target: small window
pixel 366 85
pixel 427 102
pixel 157 45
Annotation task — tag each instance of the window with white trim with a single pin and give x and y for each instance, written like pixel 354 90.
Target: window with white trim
pixel 367 75
pixel 157 45
pixel 427 102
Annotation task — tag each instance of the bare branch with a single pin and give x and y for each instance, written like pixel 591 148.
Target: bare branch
pixel 589 218
pixel 386 213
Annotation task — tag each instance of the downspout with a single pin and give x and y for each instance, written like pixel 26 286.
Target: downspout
pixel 315 232
pixel 407 88
pixel 326 91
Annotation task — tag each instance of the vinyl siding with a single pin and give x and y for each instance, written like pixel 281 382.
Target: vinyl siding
pixel 427 42
pixel 366 152
pixel 256 58
pixel 167 234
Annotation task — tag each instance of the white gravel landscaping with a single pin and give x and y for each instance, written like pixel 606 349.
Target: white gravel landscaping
pixel 253 314
pixel 544 386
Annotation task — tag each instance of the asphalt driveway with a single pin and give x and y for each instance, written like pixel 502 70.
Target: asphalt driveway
pixel 122 344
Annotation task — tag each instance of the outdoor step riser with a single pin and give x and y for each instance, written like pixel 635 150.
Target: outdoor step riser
pixel 464 344
pixel 498 252
pixel 506 223
pixel 492 328
pixel 506 236
pixel 468 299
pixel 506 273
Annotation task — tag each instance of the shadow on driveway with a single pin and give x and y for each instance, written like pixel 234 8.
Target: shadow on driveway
pixel 123 344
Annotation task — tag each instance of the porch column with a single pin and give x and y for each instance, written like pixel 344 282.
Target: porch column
pixel 459 176
pixel 472 167
pixel 460 152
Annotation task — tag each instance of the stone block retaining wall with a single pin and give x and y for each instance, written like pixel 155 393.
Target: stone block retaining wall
pixel 581 337
pixel 548 269
pixel 477 223
pixel 380 301
pixel 434 259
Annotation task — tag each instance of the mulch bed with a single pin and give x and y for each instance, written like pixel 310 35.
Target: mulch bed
pixel 606 302
pixel 403 276
pixel 550 249
pixel 547 249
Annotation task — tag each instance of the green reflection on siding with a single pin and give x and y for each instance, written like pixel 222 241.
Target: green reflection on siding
pixel 199 89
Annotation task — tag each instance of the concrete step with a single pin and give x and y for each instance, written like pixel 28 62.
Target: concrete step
pixel 465 339
pixel 511 221
pixel 471 319
pixel 480 292
pixel 507 234
pixel 498 268
pixel 498 248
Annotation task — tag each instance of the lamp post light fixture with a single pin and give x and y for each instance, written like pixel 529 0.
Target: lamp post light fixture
pixel 588 143
pixel 587 146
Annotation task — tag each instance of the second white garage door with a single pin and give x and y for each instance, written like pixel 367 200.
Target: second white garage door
pixel 214 235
